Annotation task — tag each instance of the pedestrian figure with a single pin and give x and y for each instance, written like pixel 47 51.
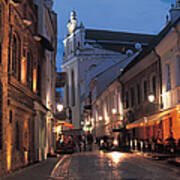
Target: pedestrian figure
pixel 89 141
pixel 84 142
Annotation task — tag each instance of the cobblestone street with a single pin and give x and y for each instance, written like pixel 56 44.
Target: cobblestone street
pixel 98 165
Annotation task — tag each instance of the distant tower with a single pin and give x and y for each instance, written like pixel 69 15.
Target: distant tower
pixel 177 3
pixel 175 11
pixel 49 3
pixel 72 24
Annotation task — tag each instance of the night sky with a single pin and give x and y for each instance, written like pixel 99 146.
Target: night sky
pixel 143 16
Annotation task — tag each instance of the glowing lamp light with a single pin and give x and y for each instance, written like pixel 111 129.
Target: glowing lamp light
pixel 107 118
pixel 100 118
pixel 37 38
pixel 59 129
pixel 27 22
pixel 114 111
pixel 60 107
pixel 115 142
pixel 151 98
pixel 92 119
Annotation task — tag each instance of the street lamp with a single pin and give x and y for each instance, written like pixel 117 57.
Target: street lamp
pixel 60 107
pixel 100 118
pixel 151 98
pixel 114 111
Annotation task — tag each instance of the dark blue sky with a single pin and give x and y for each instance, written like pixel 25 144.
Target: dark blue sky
pixel 143 16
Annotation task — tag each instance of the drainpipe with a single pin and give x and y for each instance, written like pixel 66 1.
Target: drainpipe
pixel 160 77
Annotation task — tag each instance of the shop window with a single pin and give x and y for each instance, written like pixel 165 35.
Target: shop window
pixel 1 128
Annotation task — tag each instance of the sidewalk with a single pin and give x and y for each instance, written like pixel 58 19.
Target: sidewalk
pixel 170 158
pixel 39 171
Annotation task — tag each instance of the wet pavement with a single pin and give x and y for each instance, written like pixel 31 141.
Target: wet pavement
pixel 99 165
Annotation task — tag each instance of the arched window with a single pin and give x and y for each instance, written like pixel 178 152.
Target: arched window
pixel 29 75
pixel 19 60
pixel 1 124
pixel 73 88
pixel 14 55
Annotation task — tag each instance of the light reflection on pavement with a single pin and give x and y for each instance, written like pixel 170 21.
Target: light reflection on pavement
pixel 98 165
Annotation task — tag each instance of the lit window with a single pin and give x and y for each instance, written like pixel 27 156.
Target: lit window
pixel 1 128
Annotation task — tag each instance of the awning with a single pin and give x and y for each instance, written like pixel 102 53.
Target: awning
pixel 65 124
pixel 138 123
pixel 150 120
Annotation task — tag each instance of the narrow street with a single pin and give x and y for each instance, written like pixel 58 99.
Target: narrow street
pixel 99 165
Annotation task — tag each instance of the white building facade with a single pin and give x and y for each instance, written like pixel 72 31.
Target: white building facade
pixel 87 53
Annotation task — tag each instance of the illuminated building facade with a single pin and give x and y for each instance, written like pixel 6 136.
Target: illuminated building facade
pixel 19 63
pixel 22 53
pixel 45 121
